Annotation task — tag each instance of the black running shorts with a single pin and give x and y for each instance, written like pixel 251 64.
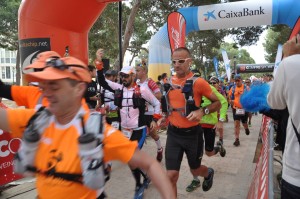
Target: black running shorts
pixel 184 140
pixel 209 138
pixel 148 119
pixel 242 118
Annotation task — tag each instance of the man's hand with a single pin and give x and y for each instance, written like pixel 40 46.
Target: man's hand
pixel 153 125
pixel 292 46
pixel 195 115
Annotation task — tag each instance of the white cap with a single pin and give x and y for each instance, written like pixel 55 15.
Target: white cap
pixel 128 70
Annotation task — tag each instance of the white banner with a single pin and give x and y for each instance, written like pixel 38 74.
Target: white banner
pixel 235 14
pixel 278 59
pixel 227 64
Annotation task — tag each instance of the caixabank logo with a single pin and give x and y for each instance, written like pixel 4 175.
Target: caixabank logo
pixel 227 14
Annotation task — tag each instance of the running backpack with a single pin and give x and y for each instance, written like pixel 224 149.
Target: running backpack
pixel 94 173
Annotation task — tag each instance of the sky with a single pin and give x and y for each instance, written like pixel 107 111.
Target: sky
pixel 257 51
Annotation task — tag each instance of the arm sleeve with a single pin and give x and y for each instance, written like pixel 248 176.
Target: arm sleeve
pixel 224 104
pixel 153 86
pixel 276 98
pixel 5 91
pixel 102 81
pixel 149 97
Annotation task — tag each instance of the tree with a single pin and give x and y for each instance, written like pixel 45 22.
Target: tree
pixel 9 30
pixel 277 34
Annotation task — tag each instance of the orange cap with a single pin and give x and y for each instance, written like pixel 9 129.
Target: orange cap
pixel 62 68
pixel 41 59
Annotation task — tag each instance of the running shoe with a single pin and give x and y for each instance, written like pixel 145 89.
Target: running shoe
pixel 159 155
pixel 236 142
pixel 208 182
pixel 194 185
pixel 222 150
pixel 139 192
pixel 247 131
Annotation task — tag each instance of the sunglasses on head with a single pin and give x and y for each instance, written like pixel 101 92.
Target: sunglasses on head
pixel 180 61
pixel 123 75
pixel 60 65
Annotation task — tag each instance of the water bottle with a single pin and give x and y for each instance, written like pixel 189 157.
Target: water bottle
pixel 25 157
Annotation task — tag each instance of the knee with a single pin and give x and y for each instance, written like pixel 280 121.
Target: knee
pixel 173 176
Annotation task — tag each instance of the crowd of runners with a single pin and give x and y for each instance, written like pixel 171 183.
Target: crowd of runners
pixel 67 142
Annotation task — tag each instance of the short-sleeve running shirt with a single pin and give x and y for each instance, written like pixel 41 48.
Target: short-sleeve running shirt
pixel 58 150
pixel 177 100
pixel 238 91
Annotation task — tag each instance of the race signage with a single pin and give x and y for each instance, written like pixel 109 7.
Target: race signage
pixel 255 68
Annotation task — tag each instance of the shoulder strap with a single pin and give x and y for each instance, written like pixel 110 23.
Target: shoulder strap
pixel 232 92
pixel 296 132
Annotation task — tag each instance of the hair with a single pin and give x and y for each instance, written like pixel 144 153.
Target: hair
pixel 164 75
pixel 182 49
pixel 91 68
pixel 159 77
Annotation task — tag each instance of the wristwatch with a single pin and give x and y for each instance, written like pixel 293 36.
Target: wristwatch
pixel 206 111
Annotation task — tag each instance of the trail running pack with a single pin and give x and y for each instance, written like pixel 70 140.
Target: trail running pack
pixel 233 91
pixel 188 93
pixel 94 173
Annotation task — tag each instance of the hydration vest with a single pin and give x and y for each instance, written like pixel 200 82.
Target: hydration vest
pixel 233 91
pixel 188 93
pixel 94 174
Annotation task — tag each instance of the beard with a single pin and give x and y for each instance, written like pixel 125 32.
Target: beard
pixel 127 83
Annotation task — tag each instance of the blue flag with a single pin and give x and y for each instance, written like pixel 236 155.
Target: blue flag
pixel 216 64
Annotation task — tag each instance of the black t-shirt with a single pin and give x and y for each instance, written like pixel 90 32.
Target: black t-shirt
pixel 90 92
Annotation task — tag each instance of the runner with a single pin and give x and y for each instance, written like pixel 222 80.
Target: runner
pixel 185 135
pixel 239 114
pixel 131 98
pixel 59 155
pixel 144 81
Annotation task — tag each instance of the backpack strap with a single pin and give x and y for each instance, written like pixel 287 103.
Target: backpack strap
pixel 296 132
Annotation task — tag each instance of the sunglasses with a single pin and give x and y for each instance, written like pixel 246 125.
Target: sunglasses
pixel 247 82
pixel 180 61
pixel 213 83
pixel 123 75
pixel 60 65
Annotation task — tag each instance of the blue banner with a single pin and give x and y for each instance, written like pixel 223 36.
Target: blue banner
pixel 216 64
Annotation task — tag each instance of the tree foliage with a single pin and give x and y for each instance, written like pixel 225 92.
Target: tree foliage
pixel 277 34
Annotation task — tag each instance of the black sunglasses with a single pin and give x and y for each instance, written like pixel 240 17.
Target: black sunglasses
pixel 123 75
pixel 213 83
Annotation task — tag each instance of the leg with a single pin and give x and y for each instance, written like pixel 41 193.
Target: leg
pixel 156 138
pixel 173 156
pixel 244 122
pixel 289 191
pixel 209 138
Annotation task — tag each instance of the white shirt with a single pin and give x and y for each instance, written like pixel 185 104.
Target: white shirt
pixel 285 92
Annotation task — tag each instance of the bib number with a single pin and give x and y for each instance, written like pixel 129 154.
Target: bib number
pixel 240 111
pixel 127 132
pixel 115 124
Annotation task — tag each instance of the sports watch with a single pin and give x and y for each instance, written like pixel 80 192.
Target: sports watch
pixel 206 111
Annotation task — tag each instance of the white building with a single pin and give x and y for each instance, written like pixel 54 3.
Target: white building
pixel 8 66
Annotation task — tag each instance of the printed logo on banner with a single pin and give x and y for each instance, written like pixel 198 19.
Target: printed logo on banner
pixel 235 14
pixel 209 15
pixel 30 48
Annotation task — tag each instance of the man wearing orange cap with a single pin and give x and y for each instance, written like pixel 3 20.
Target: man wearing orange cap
pixel 57 156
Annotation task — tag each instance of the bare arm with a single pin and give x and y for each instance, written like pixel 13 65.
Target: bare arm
pixel 155 171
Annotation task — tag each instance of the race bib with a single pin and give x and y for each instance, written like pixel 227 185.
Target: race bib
pixel 240 111
pixel 127 132
pixel 115 124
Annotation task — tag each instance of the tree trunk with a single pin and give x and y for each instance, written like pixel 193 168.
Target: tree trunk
pixel 129 29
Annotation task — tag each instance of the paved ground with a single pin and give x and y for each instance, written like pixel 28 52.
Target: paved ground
pixel 233 173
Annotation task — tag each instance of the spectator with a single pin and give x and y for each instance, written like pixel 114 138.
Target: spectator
pixel 91 95
pixel 284 93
